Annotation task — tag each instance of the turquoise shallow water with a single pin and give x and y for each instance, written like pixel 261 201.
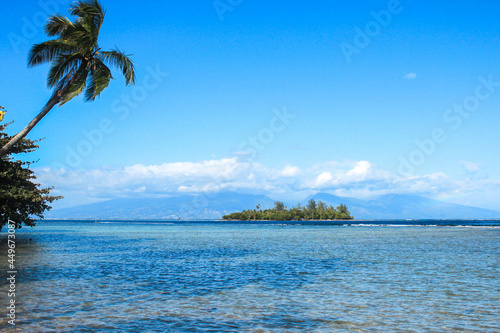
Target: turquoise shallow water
pixel 158 277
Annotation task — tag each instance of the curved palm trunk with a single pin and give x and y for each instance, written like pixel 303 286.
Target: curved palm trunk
pixel 19 136
pixel 53 101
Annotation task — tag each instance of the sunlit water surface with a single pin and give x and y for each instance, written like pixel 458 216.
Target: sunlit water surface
pixel 158 277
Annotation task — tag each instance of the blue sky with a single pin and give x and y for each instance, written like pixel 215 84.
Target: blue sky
pixel 355 98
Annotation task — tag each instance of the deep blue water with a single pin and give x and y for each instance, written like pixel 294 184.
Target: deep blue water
pixel 260 277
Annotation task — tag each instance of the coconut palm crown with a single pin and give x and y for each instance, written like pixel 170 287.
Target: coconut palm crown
pixel 76 60
pixel 77 63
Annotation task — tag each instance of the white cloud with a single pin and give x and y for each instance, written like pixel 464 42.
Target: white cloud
pixel 410 76
pixel 183 188
pixel 470 166
pixel 141 189
pixel 290 171
pixel 323 180
pixel 347 178
pixel 362 170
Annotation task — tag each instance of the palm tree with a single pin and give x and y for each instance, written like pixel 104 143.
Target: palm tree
pixel 77 63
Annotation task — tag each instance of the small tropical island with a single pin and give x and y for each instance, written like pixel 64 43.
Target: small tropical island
pixel 312 211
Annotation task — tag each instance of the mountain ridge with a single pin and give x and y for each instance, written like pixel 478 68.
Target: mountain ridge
pixel 400 206
pixel 189 207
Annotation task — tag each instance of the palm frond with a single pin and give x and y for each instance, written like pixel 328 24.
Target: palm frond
pixel 97 81
pixel 77 64
pixel 91 14
pixel 76 85
pixel 62 83
pixel 88 8
pixel 62 66
pixel 121 61
pixel 56 24
pixel 49 51
pixel 79 35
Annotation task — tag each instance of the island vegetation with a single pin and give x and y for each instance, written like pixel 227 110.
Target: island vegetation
pixel 312 211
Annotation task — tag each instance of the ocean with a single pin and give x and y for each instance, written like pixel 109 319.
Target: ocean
pixel 140 276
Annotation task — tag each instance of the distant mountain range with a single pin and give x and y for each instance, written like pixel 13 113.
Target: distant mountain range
pixel 187 207
pixel 214 206
pixel 397 206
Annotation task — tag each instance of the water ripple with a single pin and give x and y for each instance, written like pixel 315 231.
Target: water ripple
pixel 256 278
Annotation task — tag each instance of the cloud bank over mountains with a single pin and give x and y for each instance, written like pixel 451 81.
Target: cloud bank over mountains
pixel 360 179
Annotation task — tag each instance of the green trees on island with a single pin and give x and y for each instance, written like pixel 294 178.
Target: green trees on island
pixel 20 198
pixel 312 211
pixel 77 63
